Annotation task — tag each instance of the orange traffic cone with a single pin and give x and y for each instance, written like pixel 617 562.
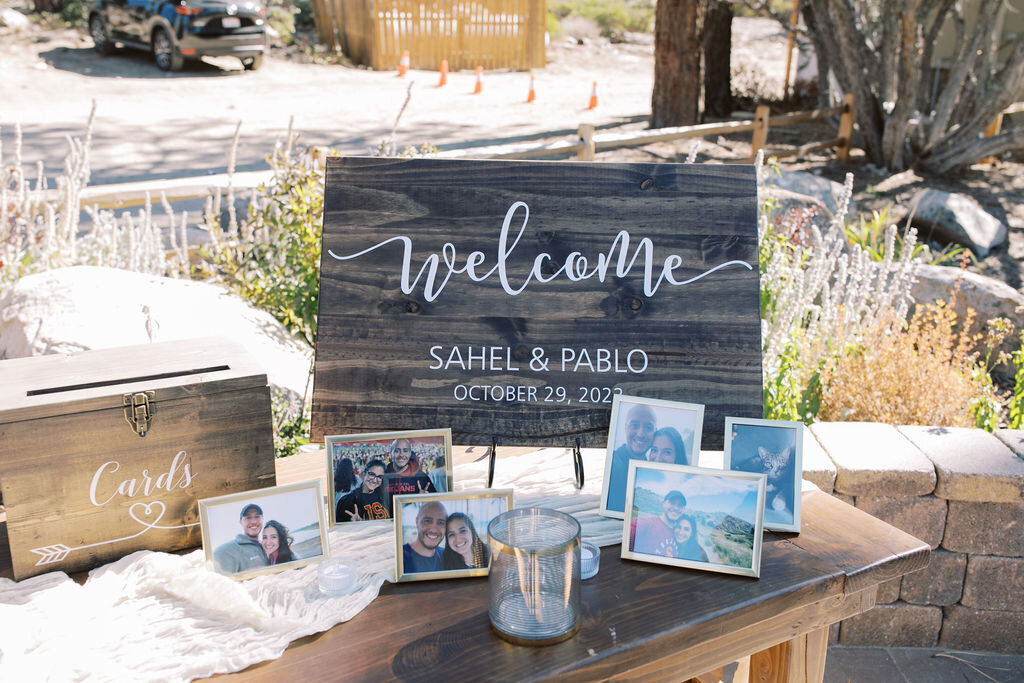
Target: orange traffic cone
pixel 532 95
pixel 403 64
pixel 479 87
pixel 444 74
pixel 593 97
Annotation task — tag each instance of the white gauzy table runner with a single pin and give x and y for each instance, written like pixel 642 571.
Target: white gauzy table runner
pixel 164 617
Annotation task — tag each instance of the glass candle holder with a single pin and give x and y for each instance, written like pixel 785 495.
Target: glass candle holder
pixel 337 576
pixel 534 581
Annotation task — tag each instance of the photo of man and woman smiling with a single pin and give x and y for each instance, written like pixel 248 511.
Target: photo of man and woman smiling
pixel 445 535
pixel 258 531
pixel 648 430
pixel 369 470
pixel 694 517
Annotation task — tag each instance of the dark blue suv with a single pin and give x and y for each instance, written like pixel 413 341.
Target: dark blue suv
pixel 183 29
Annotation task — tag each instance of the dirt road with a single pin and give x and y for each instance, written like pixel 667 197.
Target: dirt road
pixel 155 124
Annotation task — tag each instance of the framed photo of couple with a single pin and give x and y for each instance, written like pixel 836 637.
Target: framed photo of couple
pixel 647 430
pixel 263 531
pixel 694 517
pixel 366 471
pixel 774 447
pixel 444 535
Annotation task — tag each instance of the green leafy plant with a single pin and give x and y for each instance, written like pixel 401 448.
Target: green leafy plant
pixel 787 396
pixel 988 406
pixel 291 426
pixel 281 17
pixel 273 258
pixel 1016 403
pixel 871 235
pixel 72 12
pixel 613 17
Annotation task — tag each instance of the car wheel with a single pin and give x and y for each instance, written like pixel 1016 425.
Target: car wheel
pixel 98 31
pixel 252 63
pixel 165 53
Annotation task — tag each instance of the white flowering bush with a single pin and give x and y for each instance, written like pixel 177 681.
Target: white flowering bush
pixel 819 296
pixel 40 222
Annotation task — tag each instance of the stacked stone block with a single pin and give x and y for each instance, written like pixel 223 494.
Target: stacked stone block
pixel 959 490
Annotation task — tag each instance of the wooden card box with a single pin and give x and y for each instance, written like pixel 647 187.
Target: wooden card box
pixel 103 453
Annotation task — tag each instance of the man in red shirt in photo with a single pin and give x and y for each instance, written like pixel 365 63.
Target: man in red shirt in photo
pixel 404 475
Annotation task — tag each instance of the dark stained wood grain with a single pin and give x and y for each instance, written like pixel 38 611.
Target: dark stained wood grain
pixel 74 473
pixel 640 621
pixel 702 340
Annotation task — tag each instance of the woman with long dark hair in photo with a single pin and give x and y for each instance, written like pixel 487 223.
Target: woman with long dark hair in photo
pixel 463 549
pixel 345 479
pixel 686 546
pixel 667 446
pixel 277 543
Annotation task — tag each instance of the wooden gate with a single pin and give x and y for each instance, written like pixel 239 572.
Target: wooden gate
pixel 494 34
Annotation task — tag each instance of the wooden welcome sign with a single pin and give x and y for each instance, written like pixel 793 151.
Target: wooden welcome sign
pixel 515 299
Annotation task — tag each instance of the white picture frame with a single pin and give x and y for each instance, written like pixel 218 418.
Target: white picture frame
pixel 775 448
pixel 651 416
pixel 427 466
pixel 694 517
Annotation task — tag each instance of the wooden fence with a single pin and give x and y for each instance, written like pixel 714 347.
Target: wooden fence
pixel 587 143
pixel 494 34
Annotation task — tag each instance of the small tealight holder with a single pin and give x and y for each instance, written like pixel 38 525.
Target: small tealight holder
pixel 590 560
pixel 336 576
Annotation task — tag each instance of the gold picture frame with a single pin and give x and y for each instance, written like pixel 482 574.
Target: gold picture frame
pixel 423 516
pixel 427 468
pixel 292 515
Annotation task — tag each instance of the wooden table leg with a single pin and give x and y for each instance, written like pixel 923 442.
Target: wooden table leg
pixel 799 660
pixel 709 677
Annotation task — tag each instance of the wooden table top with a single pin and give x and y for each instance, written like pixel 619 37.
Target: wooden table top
pixel 639 619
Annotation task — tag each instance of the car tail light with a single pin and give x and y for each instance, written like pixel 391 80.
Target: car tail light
pixel 187 11
pixel 261 10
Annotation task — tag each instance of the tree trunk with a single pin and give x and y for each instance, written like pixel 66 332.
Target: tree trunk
pixel 972 151
pixel 826 98
pixel 881 52
pixel 677 50
pixel 717 53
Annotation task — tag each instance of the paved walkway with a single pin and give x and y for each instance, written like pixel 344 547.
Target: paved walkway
pixel 908 664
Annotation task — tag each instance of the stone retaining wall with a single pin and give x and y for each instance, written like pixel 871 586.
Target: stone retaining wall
pixel 961 491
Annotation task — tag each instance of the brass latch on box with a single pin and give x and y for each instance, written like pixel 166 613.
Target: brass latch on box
pixel 138 411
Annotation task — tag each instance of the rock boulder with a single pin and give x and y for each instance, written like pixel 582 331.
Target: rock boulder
pixel 989 297
pixel 12 18
pixel 808 184
pixel 951 217
pixel 87 307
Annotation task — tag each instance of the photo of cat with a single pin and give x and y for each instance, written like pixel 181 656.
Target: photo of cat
pixel 772 447
pixel 778 466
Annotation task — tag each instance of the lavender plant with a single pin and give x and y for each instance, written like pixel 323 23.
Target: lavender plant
pixel 40 222
pixel 818 298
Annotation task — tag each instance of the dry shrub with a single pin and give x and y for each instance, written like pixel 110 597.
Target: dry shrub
pixel 926 373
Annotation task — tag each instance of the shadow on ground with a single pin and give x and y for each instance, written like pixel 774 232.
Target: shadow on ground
pixel 133 63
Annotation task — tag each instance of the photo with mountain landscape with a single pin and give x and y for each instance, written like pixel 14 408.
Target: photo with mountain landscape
pixel 725 510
